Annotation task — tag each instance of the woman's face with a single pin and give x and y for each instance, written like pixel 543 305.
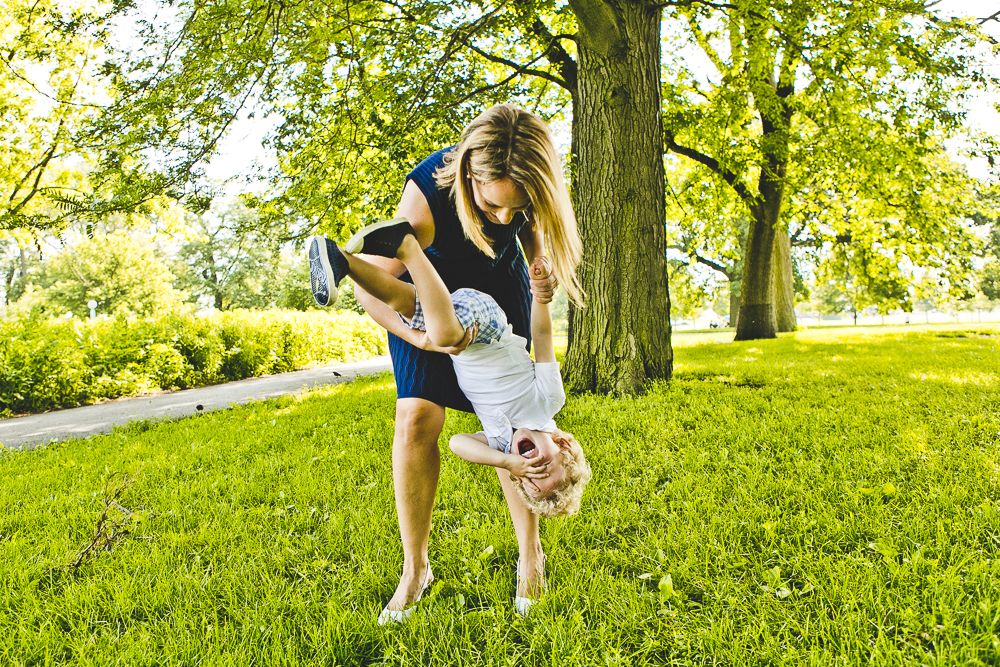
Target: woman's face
pixel 500 200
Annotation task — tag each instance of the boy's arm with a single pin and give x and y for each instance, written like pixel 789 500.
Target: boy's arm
pixel 541 316
pixel 473 447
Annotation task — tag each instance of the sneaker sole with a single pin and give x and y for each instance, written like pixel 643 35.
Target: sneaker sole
pixel 358 240
pixel 325 263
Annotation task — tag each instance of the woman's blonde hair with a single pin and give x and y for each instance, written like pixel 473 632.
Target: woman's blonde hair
pixel 566 499
pixel 505 141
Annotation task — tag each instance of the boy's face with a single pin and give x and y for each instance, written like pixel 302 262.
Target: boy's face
pixel 542 450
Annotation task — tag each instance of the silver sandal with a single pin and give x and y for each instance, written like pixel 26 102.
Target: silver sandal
pixel 522 605
pixel 400 615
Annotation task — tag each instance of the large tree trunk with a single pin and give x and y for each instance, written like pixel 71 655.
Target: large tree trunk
pixel 757 317
pixel 621 338
pixel 784 283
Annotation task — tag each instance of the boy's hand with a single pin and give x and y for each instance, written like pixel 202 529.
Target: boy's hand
pixel 543 283
pixel 521 467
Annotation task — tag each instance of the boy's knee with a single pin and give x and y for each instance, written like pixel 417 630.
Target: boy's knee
pixel 447 338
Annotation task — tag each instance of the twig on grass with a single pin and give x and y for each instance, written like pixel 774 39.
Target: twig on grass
pixel 109 531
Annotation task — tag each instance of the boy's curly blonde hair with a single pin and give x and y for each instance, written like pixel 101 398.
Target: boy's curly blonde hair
pixel 566 499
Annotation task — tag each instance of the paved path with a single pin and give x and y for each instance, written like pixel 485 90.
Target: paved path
pixel 28 432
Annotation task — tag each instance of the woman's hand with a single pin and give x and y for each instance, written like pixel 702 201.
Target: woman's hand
pixel 424 342
pixel 518 466
pixel 543 283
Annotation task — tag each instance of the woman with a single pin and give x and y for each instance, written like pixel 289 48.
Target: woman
pixel 469 205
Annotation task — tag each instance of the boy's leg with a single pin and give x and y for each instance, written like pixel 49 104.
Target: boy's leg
pixel 440 321
pixel 382 285
pixel 395 238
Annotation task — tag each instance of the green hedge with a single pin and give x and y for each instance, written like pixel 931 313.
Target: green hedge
pixel 53 364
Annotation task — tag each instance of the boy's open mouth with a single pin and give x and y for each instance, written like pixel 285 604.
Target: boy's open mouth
pixel 526 448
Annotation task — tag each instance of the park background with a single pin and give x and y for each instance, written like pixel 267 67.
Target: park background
pixel 805 493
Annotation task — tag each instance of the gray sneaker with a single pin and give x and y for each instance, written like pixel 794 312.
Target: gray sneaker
pixel 327 267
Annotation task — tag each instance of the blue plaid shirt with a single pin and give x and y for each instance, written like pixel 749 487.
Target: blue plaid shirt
pixel 471 306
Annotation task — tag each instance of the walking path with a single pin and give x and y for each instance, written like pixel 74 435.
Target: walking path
pixel 33 430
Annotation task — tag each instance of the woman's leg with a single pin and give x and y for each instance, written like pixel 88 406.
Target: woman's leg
pixel 415 466
pixel 529 544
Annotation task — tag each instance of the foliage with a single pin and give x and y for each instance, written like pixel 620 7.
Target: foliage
pixel 48 86
pixel 855 496
pixel 989 281
pixel 856 91
pixel 867 277
pixel 232 261
pixel 688 297
pixel 124 273
pixel 358 94
pixel 48 364
pixel 705 220
pixel 923 219
pixel 830 299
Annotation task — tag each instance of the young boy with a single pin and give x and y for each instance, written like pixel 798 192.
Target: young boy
pixel 514 397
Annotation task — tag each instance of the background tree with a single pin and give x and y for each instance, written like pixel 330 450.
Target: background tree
pixel 230 260
pixel 863 85
pixel 708 224
pixel 989 218
pixel 688 297
pixel 125 274
pixel 831 298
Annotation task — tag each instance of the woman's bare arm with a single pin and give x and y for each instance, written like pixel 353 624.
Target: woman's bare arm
pixel 532 242
pixel 413 206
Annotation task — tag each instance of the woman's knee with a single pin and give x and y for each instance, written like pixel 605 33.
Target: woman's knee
pixel 418 421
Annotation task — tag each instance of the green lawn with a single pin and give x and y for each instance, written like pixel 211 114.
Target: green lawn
pixel 830 497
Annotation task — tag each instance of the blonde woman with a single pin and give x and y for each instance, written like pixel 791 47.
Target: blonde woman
pixel 469 205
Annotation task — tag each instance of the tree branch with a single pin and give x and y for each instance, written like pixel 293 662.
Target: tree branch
pixel 990 18
pixel 556 54
pixel 521 69
pixel 752 201
pixel 598 25
pixel 712 265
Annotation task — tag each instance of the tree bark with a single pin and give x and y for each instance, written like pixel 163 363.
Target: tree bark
pixel 621 338
pixel 735 285
pixel 784 283
pixel 757 314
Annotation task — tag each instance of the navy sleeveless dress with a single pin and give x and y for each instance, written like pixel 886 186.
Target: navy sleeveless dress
pixel 430 375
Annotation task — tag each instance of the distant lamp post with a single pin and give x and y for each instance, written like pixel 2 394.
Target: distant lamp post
pixel 93 309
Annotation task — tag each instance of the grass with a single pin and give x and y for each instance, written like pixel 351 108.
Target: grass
pixel 824 498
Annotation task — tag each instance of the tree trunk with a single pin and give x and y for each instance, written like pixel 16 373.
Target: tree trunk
pixel 735 285
pixel 784 283
pixel 757 315
pixel 621 338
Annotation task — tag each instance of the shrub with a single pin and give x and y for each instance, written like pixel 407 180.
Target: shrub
pixel 47 364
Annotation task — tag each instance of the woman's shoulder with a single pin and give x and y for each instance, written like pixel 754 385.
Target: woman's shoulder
pixel 423 173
